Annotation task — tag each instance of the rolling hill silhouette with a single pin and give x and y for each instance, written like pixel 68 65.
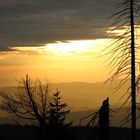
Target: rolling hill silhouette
pixel 83 99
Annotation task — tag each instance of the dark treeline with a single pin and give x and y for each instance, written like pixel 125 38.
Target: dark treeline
pixel 18 132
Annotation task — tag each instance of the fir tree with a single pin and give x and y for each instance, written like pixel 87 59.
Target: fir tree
pixel 58 111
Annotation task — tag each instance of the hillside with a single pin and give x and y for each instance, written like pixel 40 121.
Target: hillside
pixel 82 98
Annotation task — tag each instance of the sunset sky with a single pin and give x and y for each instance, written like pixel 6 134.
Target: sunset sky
pixel 59 40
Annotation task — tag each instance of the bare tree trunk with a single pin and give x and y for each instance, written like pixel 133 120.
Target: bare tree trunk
pixel 104 120
pixel 125 55
pixel 133 84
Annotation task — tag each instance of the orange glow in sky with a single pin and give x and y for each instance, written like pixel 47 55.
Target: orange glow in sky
pixel 77 60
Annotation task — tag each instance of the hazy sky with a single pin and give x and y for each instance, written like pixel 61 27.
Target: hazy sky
pixel 59 40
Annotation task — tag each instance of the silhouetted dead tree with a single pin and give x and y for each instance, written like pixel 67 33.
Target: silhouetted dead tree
pixel 29 102
pixel 104 120
pixel 100 120
pixel 124 51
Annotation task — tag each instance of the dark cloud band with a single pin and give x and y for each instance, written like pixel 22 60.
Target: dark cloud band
pixel 37 22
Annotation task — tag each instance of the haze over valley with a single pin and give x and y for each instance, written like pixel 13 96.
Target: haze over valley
pixel 82 99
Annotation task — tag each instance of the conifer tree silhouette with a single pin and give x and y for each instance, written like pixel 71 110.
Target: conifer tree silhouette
pixel 56 119
pixel 58 111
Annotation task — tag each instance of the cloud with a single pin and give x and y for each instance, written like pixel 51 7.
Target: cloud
pixel 37 22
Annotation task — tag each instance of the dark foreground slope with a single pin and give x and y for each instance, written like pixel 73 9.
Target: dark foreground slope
pixel 16 132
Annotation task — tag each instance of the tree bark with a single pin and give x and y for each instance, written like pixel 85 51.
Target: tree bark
pixel 133 84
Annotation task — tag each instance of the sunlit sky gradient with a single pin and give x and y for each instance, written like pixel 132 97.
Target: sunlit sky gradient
pixel 78 60
pixel 61 41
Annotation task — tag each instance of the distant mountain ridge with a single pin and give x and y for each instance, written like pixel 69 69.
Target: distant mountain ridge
pixel 82 98
pixel 82 95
